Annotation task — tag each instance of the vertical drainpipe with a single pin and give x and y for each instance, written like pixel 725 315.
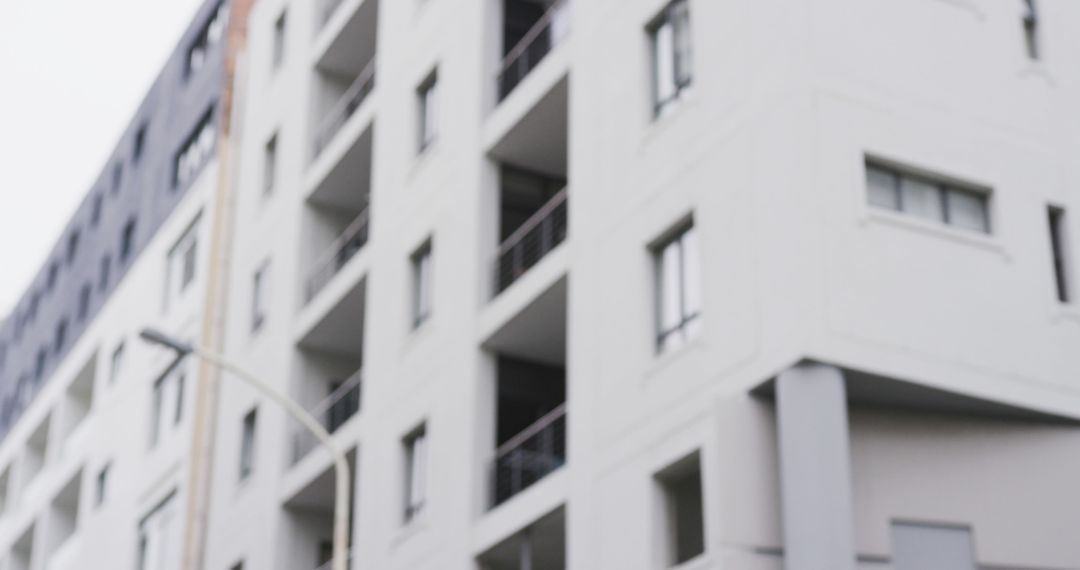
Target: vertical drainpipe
pixel 212 330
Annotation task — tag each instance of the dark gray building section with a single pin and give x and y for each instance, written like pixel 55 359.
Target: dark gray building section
pixel 132 197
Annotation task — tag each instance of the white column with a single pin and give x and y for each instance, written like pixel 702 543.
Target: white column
pixel 815 465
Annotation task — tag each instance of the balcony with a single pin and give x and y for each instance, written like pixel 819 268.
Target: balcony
pixel 327 8
pixel 351 100
pixel 332 412
pixel 334 258
pixel 309 519
pixel 531 30
pixel 531 241
pixel 529 456
pixel 539 546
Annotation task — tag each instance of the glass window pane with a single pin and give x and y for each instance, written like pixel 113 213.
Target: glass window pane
pixel 670 278
pixel 683 54
pixel 693 281
pixel 882 188
pixel 968 210
pixel 921 199
pixel 664 61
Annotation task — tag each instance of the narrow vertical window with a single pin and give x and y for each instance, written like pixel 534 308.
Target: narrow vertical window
pixel 278 53
pixel 1059 248
pixel 158 402
pixel 73 246
pixel 84 302
pixel 101 486
pixel 181 381
pixel 1031 29
pixel 672 55
pixel 247 445
pixel 415 473
pixel 103 276
pixel 127 241
pixel 139 144
pixel 116 366
pixel 159 537
pixel 683 513
pixel 258 297
pixel 421 270
pixel 679 289
pixel 429 110
pixel 270 156
pixel 117 177
pixel 61 336
pixel 182 263
pixel 95 210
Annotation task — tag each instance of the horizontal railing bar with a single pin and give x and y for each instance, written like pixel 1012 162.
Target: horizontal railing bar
pixel 537 427
pixel 337 395
pixel 338 113
pixel 532 223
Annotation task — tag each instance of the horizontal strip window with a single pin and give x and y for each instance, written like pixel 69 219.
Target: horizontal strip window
pixel 924 197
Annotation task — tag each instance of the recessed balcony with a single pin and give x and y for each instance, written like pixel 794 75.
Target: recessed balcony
pixel 344 73
pixel 309 519
pixel 540 546
pixel 531 30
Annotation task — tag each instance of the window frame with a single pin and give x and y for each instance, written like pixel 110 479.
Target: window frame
pixel 686 316
pixel 681 65
pixel 1060 253
pixel 946 190
pixel 422 304
pixel 248 438
pixel 278 41
pixel 259 285
pixel 427 94
pixel 415 480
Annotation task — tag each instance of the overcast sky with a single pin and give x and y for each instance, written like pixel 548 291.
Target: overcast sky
pixel 72 73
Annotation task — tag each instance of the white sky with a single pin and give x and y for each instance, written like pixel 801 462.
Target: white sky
pixel 72 73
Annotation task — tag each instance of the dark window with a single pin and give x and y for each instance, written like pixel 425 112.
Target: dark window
pixel 139 144
pixel 416 454
pixel 54 274
pixel 61 336
pixel 247 445
pixel 127 241
pixel 428 98
pixel 422 290
pixel 95 211
pixel 3 355
pixel 39 365
pixel 684 515
pixel 278 53
pixel 1059 248
pixel 208 37
pixel 84 302
pixel 195 151
pixel 181 380
pixel 1031 29
pixel 258 300
pixel 73 246
pixel 102 486
pixel 117 177
pixel 103 276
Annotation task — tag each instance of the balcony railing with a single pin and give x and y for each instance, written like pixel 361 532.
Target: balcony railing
pixel 326 11
pixel 529 456
pixel 344 248
pixel 332 413
pixel 349 102
pixel 548 31
pixel 540 234
pixel 330 564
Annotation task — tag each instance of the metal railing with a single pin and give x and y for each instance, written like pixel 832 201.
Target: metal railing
pixel 529 456
pixel 533 240
pixel 330 564
pixel 349 102
pixel 341 405
pixel 344 248
pixel 548 31
pixel 326 11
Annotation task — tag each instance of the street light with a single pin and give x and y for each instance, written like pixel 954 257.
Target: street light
pixel 341 465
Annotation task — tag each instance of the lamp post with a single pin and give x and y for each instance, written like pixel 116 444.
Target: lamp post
pixel 341 465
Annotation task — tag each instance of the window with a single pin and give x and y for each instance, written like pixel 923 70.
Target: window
pixel 209 37
pixel 258 297
pixel 168 405
pixel 53 276
pixel 270 164
pixel 683 514
pixel 159 537
pixel 672 55
pixel 1031 29
pixel 139 143
pixel 103 276
pixel 923 547
pixel 679 288
pixel 156 416
pixel 117 363
pixel 415 473
pixel 429 110
pixel 72 246
pixel 247 446
pixel 101 486
pixel 61 336
pixel 183 262
pixel 39 365
pixel 923 197
pixel 84 302
pixel 421 270
pixel 117 177
pixel 196 151
pixel 278 53
pixel 178 409
pixel 1058 241
pixel 127 241
pixel 95 211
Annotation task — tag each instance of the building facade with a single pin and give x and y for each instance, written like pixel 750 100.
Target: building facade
pixel 96 425
pixel 632 284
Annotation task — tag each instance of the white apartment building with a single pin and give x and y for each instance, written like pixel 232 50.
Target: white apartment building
pixel 637 284
pixel 601 284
